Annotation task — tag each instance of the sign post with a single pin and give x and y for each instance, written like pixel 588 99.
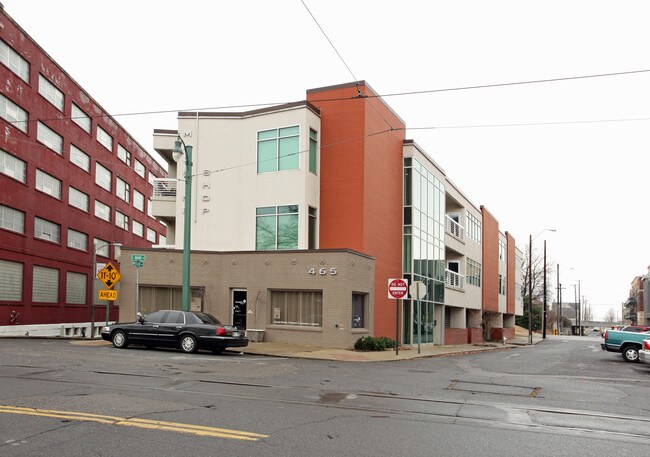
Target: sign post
pixel 138 262
pixel 397 288
pixel 418 291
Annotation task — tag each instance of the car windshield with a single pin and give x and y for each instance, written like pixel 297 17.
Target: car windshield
pixel 207 318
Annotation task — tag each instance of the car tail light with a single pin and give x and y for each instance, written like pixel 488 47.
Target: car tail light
pixel 221 331
pixel 606 332
pixel 646 345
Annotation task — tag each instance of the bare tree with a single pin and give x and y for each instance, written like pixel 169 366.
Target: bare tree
pixel 611 315
pixel 537 277
pixel 588 314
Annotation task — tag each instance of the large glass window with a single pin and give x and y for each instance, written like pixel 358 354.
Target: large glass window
pixel 102 247
pixel 79 158
pixel 45 285
pixel 138 200
pixel 48 184
pixel 46 230
pixel 139 168
pixel 473 272
pixel 13 113
pixel 11 281
pixel 278 149
pixel 151 235
pixel 102 176
pixel 161 298
pixel 75 290
pixel 276 227
pixel 78 199
pixel 474 227
pixel 49 138
pixel 123 154
pixel 359 310
pixel 102 211
pixel 12 219
pixel 77 240
pixel 297 308
pixel 122 189
pixel 104 138
pixel 80 118
pixel 14 61
pixel 51 93
pixel 138 229
pixel 122 220
pixel 12 166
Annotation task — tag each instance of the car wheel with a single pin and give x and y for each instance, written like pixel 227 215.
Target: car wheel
pixel 188 344
pixel 119 339
pixel 630 354
pixel 218 350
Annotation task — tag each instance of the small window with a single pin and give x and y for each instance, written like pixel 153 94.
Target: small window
pixel 103 176
pixel 48 184
pixel 51 93
pixel 79 158
pixel 101 247
pixel 121 220
pixel 359 310
pixel 151 235
pixel 49 138
pixel 138 229
pixel 14 61
pixel 102 211
pixel 80 118
pixel 46 230
pixel 104 138
pixel 313 150
pixel 122 190
pixel 12 166
pixel 75 290
pixel 12 219
pixel 78 199
pixel 77 240
pixel 13 114
pixel 45 285
pixel 138 200
pixel 123 155
pixel 11 281
pixel 139 168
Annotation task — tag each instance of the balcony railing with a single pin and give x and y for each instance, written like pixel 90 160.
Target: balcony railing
pixel 164 187
pixel 453 279
pixel 454 228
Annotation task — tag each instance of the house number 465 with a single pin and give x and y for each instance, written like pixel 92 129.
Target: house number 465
pixel 322 271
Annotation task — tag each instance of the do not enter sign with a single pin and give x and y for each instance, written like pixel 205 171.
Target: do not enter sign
pixel 397 288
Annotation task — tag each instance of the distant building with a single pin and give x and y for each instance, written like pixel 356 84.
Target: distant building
pixel 73 182
pixel 277 192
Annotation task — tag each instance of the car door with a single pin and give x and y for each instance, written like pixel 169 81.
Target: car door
pixel 146 331
pixel 169 329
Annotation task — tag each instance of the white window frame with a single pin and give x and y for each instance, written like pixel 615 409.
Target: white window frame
pixel 12 166
pixel 50 92
pixel 49 138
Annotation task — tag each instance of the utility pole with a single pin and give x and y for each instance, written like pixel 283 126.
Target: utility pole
pixel 544 322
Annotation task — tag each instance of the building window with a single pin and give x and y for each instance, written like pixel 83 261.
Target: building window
pixel 102 211
pixel 297 308
pixel 138 229
pixel 46 230
pixel 151 235
pixel 474 227
pixel 49 138
pixel 122 220
pixel 313 150
pixel 313 229
pixel 103 176
pixel 138 200
pixel 502 250
pixel 162 240
pixel 77 240
pixel 48 184
pixel 78 199
pixel 12 166
pixel 123 154
pixel 278 149
pixel 12 219
pixel 104 138
pixel 11 281
pixel 79 158
pixel 359 311
pixel 139 168
pixel 51 93
pixel 151 178
pixel 80 118
pixel 75 288
pixel 502 285
pixel 45 285
pixel 13 114
pixel 14 61
pixel 473 272
pixel 276 227
pixel 101 247
pixel 122 190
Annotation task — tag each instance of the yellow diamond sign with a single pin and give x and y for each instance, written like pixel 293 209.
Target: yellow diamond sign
pixel 109 275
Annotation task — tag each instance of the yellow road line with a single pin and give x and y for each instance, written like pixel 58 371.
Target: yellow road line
pixel 198 430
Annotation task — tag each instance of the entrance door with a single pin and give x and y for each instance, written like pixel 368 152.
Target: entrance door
pixel 239 308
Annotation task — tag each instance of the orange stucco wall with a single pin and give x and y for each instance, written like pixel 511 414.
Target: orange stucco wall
pixel 490 283
pixel 361 185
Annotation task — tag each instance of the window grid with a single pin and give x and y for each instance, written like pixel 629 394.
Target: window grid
pixel 75 290
pixel 276 228
pixel 278 149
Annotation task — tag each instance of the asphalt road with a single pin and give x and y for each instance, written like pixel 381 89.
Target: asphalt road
pixel 563 396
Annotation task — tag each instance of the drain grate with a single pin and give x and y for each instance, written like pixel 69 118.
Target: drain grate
pixel 490 388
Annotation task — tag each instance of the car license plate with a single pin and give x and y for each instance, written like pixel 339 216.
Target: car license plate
pixel 235 333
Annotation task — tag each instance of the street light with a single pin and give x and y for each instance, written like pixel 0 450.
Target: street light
pixel 92 301
pixel 530 284
pixel 179 148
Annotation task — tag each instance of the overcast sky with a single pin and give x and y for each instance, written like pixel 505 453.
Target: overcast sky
pixel 571 155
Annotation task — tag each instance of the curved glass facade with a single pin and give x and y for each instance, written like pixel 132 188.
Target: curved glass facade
pixel 424 249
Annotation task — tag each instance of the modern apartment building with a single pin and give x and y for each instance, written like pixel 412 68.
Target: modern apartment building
pixel 73 184
pixel 277 190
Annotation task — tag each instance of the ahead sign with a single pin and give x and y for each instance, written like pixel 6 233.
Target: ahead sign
pixel 397 288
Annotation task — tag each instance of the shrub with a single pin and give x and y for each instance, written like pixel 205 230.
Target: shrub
pixel 371 343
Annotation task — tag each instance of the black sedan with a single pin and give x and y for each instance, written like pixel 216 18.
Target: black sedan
pixel 184 330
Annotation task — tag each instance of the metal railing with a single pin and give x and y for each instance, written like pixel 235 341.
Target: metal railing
pixel 454 228
pixel 165 187
pixel 454 279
